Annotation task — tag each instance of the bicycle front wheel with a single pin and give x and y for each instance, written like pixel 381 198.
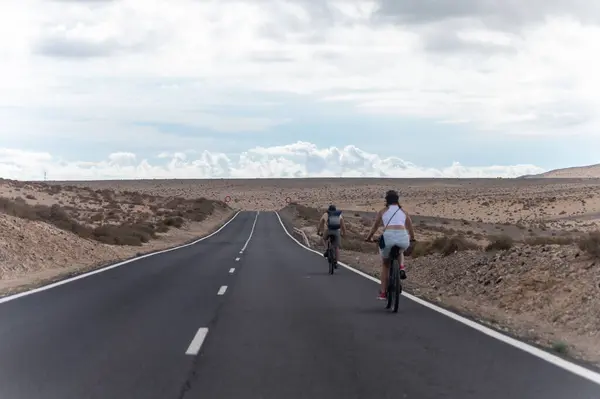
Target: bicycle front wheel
pixel 331 260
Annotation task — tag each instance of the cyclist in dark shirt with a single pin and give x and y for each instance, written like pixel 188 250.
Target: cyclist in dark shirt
pixel 332 223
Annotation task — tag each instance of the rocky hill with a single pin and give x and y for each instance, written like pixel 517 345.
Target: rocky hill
pixel 576 172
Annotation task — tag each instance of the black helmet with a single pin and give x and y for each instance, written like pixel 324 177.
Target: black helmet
pixel 391 197
pixel 332 208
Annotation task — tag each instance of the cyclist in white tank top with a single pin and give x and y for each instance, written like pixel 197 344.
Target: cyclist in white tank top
pixel 393 216
pixel 396 223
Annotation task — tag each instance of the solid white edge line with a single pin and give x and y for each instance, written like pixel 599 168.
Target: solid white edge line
pixel 251 232
pixel 80 276
pixel 555 360
pixel 197 342
pixel 237 259
pixel 222 290
pixel 232 270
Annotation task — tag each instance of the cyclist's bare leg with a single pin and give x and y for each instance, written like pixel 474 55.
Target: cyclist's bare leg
pixel 385 271
pixel 402 269
pixel 325 238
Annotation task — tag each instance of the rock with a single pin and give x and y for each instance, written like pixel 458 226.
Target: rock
pixel 590 266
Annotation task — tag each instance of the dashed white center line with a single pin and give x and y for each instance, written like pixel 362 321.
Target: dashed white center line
pixel 237 259
pixel 232 270
pixel 222 290
pixel 251 232
pixel 196 343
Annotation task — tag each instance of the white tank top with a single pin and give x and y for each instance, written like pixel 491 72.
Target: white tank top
pixel 399 218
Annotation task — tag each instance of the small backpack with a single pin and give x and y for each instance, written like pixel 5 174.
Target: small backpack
pixel 333 220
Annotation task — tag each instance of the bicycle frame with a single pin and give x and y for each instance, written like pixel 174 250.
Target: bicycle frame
pixel 394 286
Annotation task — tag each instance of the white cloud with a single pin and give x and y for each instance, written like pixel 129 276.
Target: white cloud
pixel 154 61
pixel 299 159
pixel 122 158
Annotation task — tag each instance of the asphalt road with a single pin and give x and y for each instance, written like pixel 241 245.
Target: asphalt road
pixel 282 328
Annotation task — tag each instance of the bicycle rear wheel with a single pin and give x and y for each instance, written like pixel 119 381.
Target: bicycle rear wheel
pixel 390 286
pixel 331 259
pixel 397 286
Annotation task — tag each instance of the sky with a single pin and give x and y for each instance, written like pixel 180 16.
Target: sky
pixel 116 89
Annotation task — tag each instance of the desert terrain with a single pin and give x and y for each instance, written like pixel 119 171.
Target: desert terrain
pixel 520 255
pixel 49 232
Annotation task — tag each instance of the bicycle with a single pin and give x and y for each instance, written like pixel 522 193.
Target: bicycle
pixel 331 259
pixel 394 286
pixel 331 254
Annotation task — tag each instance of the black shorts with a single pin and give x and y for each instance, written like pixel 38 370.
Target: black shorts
pixel 336 236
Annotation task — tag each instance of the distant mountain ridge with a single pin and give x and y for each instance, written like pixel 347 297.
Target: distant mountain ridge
pixel 577 172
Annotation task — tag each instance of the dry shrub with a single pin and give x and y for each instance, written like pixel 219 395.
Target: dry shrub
pixel 97 217
pixel 193 209
pixel 56 189
pixel 54 215
pixel 162 228
pixel 591 244
pixel 106 194
pixel 307 213
pixel 112 215
pixel 125 234
pixel 448 245
pixel 366 221
pixel 358 245
pixel 500 243
pixel 539 240
pixel 144 216
pixel 134 232
pixel 175 221
pixel 422 248
pixel 444 245
pixel 136 198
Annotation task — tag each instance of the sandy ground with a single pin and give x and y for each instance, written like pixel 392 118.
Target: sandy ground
pixel 543 288
pixel 36 252
pixel 545 203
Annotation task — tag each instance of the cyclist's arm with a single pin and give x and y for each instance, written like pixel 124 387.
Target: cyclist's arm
pixel 376 225
pixel 320 226
pixel 410 227
pixel 343 226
